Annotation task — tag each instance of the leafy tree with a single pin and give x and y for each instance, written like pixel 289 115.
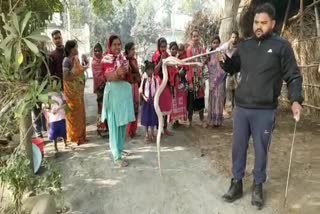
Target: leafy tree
pixel 145 31
pixel 21 39
pixel 80 13
pixel 42 10
pixel 118 22
pixel 21 59
pixel 207 25
pixel 191 6
pixel 102 7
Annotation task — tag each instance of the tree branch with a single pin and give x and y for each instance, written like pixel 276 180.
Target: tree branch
pixel 6 107
pixel 302 13
pixel 12 8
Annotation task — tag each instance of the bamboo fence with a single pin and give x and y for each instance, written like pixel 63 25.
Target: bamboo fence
pixel 306 45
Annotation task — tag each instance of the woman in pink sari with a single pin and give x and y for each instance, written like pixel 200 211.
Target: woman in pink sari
pixel 217 92
pixel 133 77
pixel 98 85
pixel 165 100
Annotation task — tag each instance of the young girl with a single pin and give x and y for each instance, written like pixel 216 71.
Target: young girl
pixel 98 86
pixel 149 117
pixel 165 100
pixel 56 118
pixel 179 111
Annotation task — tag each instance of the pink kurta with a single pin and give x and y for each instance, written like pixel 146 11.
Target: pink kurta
pixel 165 100
pixel 194 73
pixel 179 111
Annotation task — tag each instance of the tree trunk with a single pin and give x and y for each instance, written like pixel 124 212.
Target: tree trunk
pixel 229 21
pixel 26 136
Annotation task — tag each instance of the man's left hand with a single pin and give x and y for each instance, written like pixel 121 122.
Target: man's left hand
pixel 296 110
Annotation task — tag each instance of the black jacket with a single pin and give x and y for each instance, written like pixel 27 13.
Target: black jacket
pixel 263 66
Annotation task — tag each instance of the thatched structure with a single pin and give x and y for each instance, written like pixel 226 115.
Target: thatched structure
pixel 302 33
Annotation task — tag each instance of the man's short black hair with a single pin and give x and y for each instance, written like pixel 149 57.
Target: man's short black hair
pixel 236 33
pixel 268 9
pixel 55 32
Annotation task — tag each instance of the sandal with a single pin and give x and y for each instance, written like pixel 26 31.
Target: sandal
pixel 204 125
pixel 121 163
pixel 168 133
pixel 153 138
pixel 125 153
pixel 147 139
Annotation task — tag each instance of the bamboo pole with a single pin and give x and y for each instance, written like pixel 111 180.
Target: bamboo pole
pixel 309 66
pixel 301 31
pixel 310 85
pixel 286 17
pixel 306 39
pixel 317 18
pixel 306 85
pixel 303 104
pixel 301 19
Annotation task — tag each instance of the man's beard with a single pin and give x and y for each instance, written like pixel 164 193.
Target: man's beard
pixel 263 35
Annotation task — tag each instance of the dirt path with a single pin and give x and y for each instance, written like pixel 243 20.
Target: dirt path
pixel 195 174
pixel 188 184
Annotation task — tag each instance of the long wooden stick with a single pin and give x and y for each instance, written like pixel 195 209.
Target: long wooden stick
pixel 290 162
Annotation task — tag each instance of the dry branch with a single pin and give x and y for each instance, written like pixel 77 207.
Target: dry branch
pixel 293 18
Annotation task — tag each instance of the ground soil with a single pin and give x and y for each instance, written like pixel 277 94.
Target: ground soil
pixel 196 172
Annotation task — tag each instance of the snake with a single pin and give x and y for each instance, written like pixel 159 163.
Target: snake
pixel 170 61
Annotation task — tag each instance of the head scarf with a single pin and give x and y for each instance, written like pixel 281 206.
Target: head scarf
pixel 111 61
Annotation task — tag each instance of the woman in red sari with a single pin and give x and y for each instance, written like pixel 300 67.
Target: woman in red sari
pixel 196 81
pixel 98 85
pixel 165 100
pixel 134 78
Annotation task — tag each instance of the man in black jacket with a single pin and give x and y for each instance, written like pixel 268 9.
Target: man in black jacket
pixel 264 61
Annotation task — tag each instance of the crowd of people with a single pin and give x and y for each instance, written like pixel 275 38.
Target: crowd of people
pixel 183 95
pixel 124 92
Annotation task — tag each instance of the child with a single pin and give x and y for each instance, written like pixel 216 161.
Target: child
pixel 179 111
pixel 182 54
pixel 165 99
pixel 149 118
pixel 56 118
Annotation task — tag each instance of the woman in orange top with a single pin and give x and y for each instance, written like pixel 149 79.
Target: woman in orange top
pixel 73 84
